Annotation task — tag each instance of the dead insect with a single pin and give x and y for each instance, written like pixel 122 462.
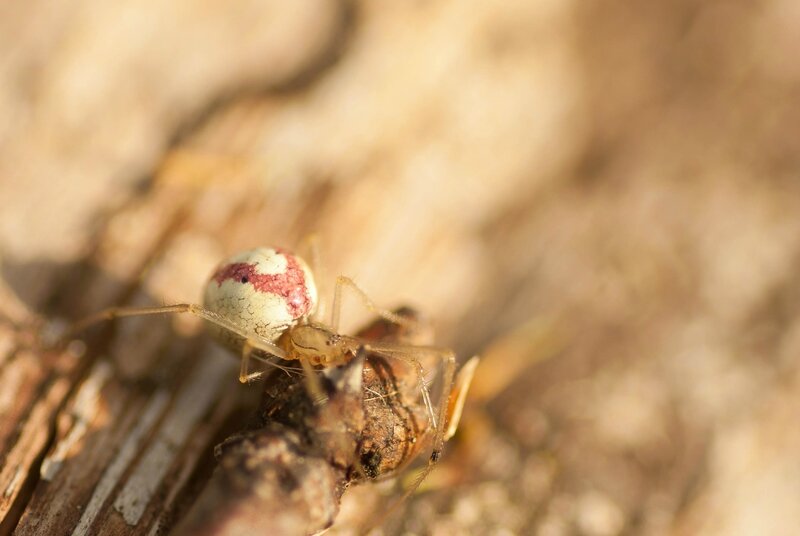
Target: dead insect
pixel 285 473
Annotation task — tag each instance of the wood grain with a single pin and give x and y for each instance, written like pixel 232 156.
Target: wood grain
pixel 600 198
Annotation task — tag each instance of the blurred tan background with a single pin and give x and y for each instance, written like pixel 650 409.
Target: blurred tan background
pixel 602 198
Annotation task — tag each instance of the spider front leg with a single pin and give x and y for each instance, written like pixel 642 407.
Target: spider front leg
pixel 252 341
pixel 345 282
pixel 120 312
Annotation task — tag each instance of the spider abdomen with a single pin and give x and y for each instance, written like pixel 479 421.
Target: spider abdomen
pixel 264 290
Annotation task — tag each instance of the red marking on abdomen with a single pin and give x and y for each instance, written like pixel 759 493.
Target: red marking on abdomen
pixel 291 284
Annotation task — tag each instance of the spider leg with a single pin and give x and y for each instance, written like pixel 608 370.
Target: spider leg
pixel 313 383
pixel 244 366
pixel 256 341
pixel 245 376
pixel 310 249
pixel 345 282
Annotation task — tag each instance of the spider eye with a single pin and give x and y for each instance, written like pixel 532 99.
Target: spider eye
pixel 244 279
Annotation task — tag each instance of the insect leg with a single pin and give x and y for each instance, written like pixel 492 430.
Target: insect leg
pixel 458 396
pixel 412 354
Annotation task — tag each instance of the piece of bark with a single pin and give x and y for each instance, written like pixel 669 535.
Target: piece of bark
pixel 273 481
pixel 124 450
pixel 34 385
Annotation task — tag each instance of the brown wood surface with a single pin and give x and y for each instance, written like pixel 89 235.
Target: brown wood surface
pixel 601 199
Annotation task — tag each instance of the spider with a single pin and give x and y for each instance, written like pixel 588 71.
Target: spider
pixel 262 303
